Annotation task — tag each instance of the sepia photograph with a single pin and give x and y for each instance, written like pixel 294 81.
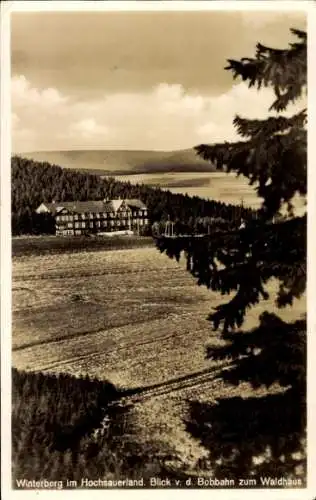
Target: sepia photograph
pixel 158 239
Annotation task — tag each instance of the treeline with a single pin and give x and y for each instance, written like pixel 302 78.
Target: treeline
pixel 36 182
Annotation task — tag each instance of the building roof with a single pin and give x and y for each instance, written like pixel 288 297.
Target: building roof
pixel 95 206
pixel 114 205
pixel 135 203
pixel 75 206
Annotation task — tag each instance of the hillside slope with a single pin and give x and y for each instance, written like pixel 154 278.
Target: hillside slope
pixel 116 162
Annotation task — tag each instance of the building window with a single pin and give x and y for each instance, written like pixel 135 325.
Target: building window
pixel 76 217
pixel 91 225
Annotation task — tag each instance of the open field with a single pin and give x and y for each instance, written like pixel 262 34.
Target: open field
pixel 119 314
pixel 133 316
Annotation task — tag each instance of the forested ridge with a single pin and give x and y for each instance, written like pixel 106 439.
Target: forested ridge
pixel 36 182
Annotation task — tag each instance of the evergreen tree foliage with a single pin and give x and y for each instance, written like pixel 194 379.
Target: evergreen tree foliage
pixel 239 264
pixel 53 417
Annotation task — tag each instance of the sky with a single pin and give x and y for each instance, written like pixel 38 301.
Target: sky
pixel 135 80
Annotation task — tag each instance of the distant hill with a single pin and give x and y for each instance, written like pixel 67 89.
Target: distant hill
pixel 123 162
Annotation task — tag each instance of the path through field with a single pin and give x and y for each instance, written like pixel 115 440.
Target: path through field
pixel 133 317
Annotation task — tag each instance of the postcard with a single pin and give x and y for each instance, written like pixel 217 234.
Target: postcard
pixel 156 319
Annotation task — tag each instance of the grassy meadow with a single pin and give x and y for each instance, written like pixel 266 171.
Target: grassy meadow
pixel 133 315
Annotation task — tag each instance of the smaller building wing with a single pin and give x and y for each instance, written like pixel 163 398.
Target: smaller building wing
pixel 135 203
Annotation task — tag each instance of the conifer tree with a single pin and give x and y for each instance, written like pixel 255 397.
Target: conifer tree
pixel 239 263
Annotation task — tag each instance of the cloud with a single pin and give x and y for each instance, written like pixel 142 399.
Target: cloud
pixel 87 128
pixel 26 95
pixel 164 117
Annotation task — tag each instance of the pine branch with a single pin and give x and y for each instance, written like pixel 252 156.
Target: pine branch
pixel 275 351
pixel 243 261
pixel 283 70
pixel 302 35
pixel 272 125
pixel 274 161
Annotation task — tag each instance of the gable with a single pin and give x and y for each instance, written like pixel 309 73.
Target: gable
pixel 42 209
pixel 124 208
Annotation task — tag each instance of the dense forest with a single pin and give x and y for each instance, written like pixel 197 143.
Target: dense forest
pixel 35 182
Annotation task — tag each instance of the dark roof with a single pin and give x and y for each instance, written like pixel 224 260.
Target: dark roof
pixel 92 206
pixel 76 206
